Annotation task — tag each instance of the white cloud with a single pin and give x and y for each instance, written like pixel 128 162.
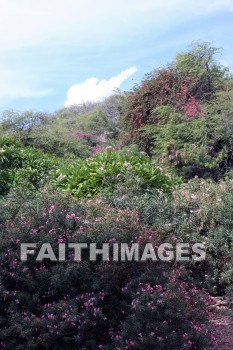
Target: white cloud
pixel 94 90
pixel 81 28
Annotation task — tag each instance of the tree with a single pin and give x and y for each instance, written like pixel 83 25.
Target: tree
pixel 176 113
pixel 199 69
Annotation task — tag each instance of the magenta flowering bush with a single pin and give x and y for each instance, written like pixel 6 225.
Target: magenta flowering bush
pixel 92 304
pixel 169 315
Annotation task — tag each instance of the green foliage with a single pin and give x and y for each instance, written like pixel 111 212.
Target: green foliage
pixel 64 134
pixel 193 77
pixel 20 165
pixel 198 147
pixel 95 121
pixel 208 208
pixel 88 177
pixel 200 69
pixel 200 211
pixel 180 114
pixel 92 305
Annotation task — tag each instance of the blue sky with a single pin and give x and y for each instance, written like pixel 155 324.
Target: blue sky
pixel 56 53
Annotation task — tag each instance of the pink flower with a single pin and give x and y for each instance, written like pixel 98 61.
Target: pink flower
pixel 50 316
pixel 33 231
pixel 53 230
pixel 51 209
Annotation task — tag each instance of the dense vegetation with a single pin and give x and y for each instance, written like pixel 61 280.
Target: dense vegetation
pixel 182 114
pixel 151 165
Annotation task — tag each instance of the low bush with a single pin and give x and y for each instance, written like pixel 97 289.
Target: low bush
pixel 88 177
pixel 91 304
pixel 200 211
pixel 19 164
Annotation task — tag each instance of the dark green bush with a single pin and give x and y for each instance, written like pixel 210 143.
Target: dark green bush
pixel 19 164
pixel 90 305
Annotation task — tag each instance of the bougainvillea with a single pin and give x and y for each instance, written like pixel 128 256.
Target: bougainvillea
pixel 164 87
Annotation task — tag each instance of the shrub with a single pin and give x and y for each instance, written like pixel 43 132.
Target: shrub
pixel 163 316
pixel 69 133
pixel 22 165
pixel 206 208
pixel 200 211
pixel 180 115
pixel 90 305
pixel 86 178
pixel 193 77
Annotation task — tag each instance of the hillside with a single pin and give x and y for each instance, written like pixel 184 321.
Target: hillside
pixel 148 173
